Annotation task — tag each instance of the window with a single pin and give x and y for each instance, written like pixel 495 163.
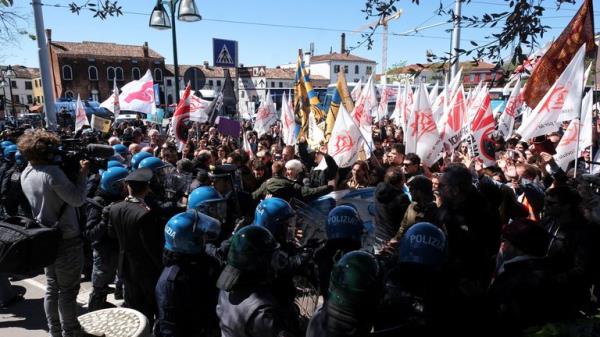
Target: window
pixel 345 69
pixel 218 83
pixel 158 75
pixel 169 83
pixel 16 99
pixel 242 94
pixel 28 85
pixel 472 77
pixel 281 84
pixel 336 68
pixel 93 73
pixel 210 83
pixel 356 69
pixel 14 84
pixel 369 70
pixel 67 72
pixel 29 98
pixel 119 73
pixel 110 73
pixel 135 73
pixel 272 84
pixel 42 99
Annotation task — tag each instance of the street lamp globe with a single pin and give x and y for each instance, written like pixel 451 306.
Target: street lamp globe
pixel 188 11
pixel 159 19
pixel 9 72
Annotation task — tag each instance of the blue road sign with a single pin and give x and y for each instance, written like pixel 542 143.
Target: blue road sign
pixel 225 53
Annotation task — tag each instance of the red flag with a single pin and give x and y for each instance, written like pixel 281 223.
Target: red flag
pixel 181 116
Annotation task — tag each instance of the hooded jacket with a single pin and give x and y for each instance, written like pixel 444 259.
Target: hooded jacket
pixel 390 204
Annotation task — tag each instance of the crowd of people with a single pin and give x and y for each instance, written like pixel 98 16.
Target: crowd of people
pixel 205 239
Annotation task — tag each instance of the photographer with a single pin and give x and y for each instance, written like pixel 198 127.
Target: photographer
pixel 53 199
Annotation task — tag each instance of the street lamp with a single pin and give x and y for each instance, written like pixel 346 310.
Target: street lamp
pixel 159 19
pixel 9 73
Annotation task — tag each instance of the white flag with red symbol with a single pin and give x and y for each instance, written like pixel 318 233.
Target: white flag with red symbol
pixel 506 122
pixel 246 145
pixel 135 96
pixel 585 137
pixel 355 93
pixel 382 108
pixel 361 115
pixel 452 123
pixel 542 120
pixel 345 141
pixel 265 116
pixel 482 126
pixel 422 129
pixel 433 94
pixel 288 122
pixel 395 117
pixel 567 147
pixel 437 105
pixel 80 116
pixel 181 116
pixel 199 108
pixel 406 107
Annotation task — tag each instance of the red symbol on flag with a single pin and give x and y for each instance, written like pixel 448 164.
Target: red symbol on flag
pixel 556 99
pixel 343 143
pixel 570 137
pixel 455 118
pixel 145 93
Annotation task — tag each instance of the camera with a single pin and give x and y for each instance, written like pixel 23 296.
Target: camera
pixel 72 151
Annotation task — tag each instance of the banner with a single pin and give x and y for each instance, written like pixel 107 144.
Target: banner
pixel 100 124
pixel 542 120
pixel 506 121
pixel 80 116
pixel 345 141
pixel 229 127
pixel 135 96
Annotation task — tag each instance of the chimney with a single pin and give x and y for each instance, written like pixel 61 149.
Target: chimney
pixel 48 36
pixel 145 48
pixel 206 64
pixel 343 47
pixel 312 48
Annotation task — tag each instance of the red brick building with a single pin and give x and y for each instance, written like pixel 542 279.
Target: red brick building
pixel 88 68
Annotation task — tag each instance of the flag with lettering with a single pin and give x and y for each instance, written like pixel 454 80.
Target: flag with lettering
pixel 542 120
pixel 80 116
pixel 345 141
pixel 506 122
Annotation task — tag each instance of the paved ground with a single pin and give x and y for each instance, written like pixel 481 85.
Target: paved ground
pixel 27 318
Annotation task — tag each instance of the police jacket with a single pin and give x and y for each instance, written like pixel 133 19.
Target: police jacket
pixel 186 297
pixel 140 239
pixel 246 313
pixel 287 189
pixel 96 225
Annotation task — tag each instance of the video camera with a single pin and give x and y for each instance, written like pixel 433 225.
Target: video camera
pixel 74 150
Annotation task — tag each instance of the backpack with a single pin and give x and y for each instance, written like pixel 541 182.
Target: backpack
pixel 26 246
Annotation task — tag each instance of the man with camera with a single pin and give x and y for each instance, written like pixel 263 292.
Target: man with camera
pixel 53 199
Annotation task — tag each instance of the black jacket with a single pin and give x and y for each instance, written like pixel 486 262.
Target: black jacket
pixel 286 189
pixel 390 204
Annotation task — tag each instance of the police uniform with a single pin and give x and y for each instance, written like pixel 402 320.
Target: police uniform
pixel 140 248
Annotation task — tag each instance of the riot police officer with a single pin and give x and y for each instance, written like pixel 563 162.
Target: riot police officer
pixel 185 293
pixel 105 248
pixel 140 240
pixel 247 306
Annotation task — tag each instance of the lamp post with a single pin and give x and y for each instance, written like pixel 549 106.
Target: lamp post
pixel 159 19
pixel 9 74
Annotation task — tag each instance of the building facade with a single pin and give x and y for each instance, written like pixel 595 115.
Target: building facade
pixel 329 65
pixel 89 68
pixel 22 87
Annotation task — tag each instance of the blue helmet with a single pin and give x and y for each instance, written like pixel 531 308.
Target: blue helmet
pixel 138 157
pixel 425 244
pixel 111 180
pixel 6 143
pixel 121 149
pixel 20 159
pixel 276 215
pixel 152 163
pixel 10 149
pixel 207 200
pixel 344 222
pixel 113 163
pixel 185 232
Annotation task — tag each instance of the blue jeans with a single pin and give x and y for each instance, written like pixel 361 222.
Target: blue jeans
pixel 63 278
pixel 106 257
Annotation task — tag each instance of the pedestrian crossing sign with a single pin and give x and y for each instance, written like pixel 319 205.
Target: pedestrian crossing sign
pixel 225 53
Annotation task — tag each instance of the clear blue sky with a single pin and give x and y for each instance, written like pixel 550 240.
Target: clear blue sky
pixel 268 45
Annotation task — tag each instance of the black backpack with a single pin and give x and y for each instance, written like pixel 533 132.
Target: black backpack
pixel 26 246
